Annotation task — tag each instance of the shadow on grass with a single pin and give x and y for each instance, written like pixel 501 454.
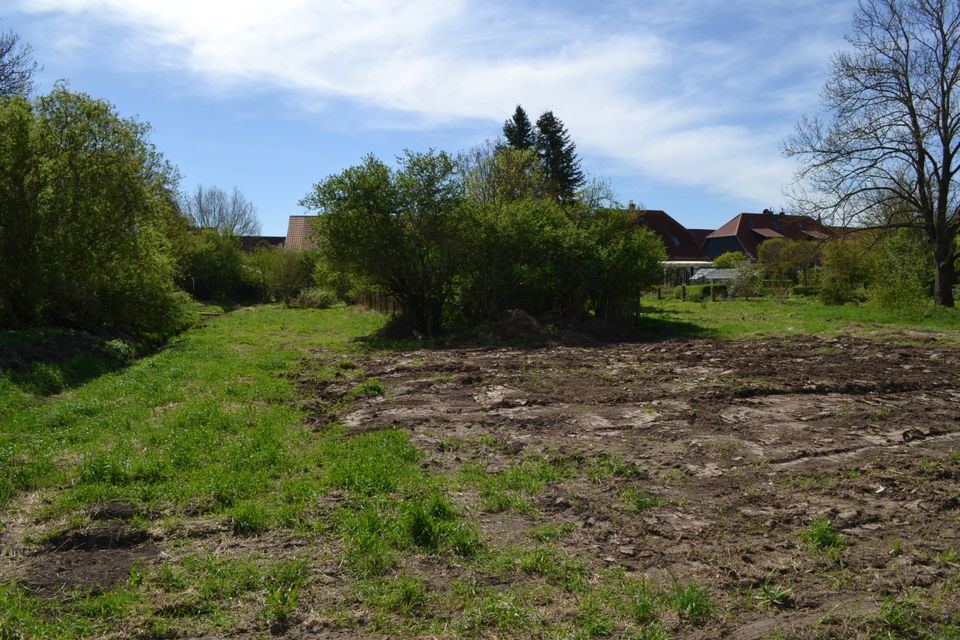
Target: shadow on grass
pixel 520 330
pixel 47 361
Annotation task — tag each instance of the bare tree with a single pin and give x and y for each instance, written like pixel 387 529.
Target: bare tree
pixel 894 138
pixel 213 208
pixel 17 65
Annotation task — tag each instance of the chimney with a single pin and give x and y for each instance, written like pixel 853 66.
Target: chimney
pixel 632 206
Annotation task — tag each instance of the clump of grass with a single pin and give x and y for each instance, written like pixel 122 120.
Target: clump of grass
pixel 552 532
pixel 607 466
pixel 640 499
pixel 821 536
pixel 495 610
pixel 692 602
pixel 403 594
pixel 774 595
pixel 283 591
pixel 249 518
pixel 367 389
pixel 562 572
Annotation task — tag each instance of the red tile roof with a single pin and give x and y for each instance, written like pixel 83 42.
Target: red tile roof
pixel 751 229
pixel 678 241
pixel 300 233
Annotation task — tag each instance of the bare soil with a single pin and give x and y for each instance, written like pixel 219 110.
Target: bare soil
pixel 745 442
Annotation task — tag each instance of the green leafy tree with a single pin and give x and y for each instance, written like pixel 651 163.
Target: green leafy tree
pixel 784 261
pixel 85 207
pixel 558 154
pixel 518 130
pixel 214 268
pixel 397 229
pixel 730 260
pixel 846 268
pixel 903 270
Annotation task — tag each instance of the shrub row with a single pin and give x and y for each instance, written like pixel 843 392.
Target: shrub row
pixel 700 292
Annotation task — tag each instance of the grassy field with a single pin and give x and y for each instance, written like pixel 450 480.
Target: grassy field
pixel 765 317
pixel 208 505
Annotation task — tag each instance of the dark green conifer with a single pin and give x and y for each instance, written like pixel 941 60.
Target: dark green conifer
pixel 518 130
pixel 558 154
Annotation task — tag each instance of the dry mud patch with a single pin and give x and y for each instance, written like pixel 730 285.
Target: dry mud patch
pixel 740 444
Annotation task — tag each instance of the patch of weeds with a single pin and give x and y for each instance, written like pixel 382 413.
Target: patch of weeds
pixel 640 499
pixel 896 548
pixel 675 477
pixel 905 616
pixel 774 595
pixel 570 575
pixel 504 611
pixel 497 501
pixel 430 522
pixel 347 365
pixel 691 602
pixel 639 602
pixel 593 620
pixel 365 534
pixel 249 518
pixel 821 536
pixel 372 463
pixel 852 473
pixel 552 532
pixel 608 466
pixel 367 389
pixel 507 490
pixel 283 591
pixel 403 595
pixel 948 557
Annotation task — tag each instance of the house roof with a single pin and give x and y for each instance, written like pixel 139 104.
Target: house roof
pixel 699 235
pixel 300 233
pixel 679 243
pixel 751 229
pixel 250 243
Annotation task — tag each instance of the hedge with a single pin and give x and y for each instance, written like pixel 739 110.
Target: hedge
pixel 700 292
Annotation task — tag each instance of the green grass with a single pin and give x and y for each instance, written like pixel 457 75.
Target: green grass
pixel 208 429
pixel 731 319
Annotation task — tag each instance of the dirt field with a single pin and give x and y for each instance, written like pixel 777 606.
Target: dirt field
pixel 720 456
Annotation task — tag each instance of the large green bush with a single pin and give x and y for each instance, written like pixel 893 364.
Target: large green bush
pixel 85 206
pixel 464 242
pixel 215 270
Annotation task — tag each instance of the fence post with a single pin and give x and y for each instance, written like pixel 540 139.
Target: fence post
pixel 713 292
pixel 683 292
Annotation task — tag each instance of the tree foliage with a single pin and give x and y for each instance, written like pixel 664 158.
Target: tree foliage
pixel 395 228
pixel 17 66
pixel 518 130
pixel 558 153
pixel 85 206
pixel 893 139
pixel 729 260
pixel 212 208
pixel 467 241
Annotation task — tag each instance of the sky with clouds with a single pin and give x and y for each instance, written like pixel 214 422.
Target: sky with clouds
pixel 682 105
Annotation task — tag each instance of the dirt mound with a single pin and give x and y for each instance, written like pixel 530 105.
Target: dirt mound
pixel 518 327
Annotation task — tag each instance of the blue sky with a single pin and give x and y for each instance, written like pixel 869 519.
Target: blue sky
pixel 682 105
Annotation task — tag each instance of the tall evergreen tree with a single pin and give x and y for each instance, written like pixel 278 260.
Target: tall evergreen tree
pixel 558 153
pixel 518 130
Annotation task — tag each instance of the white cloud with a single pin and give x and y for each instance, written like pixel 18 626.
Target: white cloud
pixel 681 106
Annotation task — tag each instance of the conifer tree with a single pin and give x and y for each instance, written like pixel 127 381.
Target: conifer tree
pixel 558 154
pixel 518 130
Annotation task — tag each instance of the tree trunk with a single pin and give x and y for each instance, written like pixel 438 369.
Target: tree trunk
pixel 946 277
